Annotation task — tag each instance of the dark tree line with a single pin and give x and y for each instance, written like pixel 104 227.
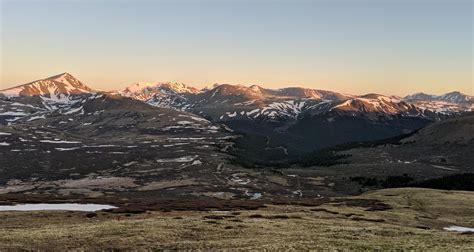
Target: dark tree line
pixel 463 181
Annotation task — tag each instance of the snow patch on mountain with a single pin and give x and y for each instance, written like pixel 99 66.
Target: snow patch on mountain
pixel 377 104
pixel 57 88
pixel 452 97
pixel 449 103
pixel 145 90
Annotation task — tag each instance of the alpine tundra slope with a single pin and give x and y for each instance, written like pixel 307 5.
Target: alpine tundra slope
pixel 167 140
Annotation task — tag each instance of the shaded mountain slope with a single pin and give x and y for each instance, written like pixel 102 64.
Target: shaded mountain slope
pixel 451 131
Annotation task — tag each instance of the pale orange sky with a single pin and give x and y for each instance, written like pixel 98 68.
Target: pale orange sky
pixel 347 82
pixel 389 47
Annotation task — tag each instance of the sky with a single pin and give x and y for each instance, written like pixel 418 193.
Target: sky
pixel 392 47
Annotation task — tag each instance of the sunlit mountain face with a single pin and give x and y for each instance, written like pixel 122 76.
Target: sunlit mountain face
pixel 300 119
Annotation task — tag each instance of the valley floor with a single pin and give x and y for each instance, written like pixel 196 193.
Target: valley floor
pixel 404 218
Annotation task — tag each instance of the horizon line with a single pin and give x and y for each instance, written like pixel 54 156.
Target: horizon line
pixel 224 83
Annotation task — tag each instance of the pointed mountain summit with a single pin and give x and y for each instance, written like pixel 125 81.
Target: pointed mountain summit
pixel 456 97
pixel 54 87
pixel 41 96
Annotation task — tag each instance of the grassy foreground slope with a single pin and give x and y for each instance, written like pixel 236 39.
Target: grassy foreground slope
pixel 402 218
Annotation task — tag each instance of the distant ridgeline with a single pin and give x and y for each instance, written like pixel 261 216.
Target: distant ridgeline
pixel 275 124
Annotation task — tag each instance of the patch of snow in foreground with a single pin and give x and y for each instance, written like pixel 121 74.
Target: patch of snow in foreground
pixel 253 196
pixel 59 141
pixel 130 163
pixel 5 134
pixel 177 160
pixel 184 122
pixel 256 196
pixel 231 114
pixel 13 113
pixel 67 149
pixel 4 144
pixel 196 162
pixel 36 118
pixel 298 192
pixel 63 207
pixel 99 146
pixel 459 229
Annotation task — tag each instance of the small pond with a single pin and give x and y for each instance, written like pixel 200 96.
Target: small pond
pixel 459 229
pixel 58 207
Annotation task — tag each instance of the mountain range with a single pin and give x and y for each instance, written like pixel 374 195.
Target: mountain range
pixel 161 141
pixel 272 104
pixel 291 120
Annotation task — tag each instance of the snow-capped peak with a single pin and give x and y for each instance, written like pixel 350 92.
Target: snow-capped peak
pixel 58 85
pixel 146 90
pixel 179 87
pixel 61 77
pixel 455 97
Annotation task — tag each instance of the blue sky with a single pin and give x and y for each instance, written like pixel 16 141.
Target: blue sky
pixel 353 46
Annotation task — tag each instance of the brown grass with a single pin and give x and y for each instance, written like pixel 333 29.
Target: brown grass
pixel 415 221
